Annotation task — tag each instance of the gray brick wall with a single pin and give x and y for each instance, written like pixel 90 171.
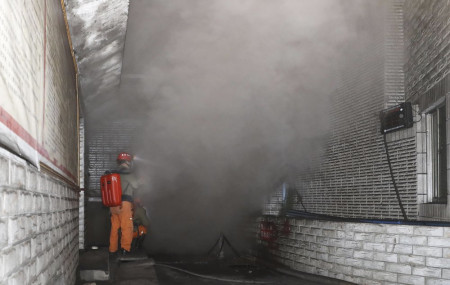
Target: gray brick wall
pixel 427 67
pixel 427 34
pixel 365 253
pixel 394 79
pixel 38 225
pixel 104 143
pixel 353 179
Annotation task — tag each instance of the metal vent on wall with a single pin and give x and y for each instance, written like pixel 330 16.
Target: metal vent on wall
pixel 396 118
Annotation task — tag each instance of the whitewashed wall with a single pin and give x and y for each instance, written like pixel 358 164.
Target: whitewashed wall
pixel 39 114
pixel 365 253
pixel 38 225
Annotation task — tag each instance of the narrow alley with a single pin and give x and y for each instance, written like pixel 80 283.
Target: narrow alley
pixel 224 142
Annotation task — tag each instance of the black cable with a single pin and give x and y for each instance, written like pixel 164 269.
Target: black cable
pixel 301 202
pixel 393 179
pixel 212 276
pixel 299 199
pixel 419 119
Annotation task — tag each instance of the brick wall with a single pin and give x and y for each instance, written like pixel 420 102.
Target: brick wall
pixel 353 179
pixel 394 79
pixel 38 209
pixel 427 34
pixel 104 143
pixel 82 177
pixel 365 253
pixel 427 68
pixel 38 225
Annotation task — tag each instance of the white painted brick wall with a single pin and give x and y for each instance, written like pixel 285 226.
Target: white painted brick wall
pixel 82 176
pixel 365 253
pixel 38 225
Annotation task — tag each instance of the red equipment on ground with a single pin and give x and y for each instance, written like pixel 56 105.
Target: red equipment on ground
pixel 286 230
pixel 111 189
pixel 268 231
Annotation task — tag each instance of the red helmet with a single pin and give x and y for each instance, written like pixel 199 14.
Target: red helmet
pixel 124 156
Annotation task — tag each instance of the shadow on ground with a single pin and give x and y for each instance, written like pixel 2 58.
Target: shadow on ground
pixel 99 268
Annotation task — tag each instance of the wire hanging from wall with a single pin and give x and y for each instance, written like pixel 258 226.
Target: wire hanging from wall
pixel 393 179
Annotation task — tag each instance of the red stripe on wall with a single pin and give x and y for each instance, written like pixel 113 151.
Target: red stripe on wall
pixel 16 128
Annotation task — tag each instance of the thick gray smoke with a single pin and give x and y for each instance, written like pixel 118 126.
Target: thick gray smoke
pixel 237 99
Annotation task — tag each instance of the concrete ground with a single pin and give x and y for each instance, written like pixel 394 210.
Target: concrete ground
pixel 98 268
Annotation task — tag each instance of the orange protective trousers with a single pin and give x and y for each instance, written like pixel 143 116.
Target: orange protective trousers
pixel 121 218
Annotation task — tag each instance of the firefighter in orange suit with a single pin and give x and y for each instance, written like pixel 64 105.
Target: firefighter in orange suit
pixel 122 216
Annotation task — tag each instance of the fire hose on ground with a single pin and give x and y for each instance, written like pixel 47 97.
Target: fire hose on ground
pixel 211 276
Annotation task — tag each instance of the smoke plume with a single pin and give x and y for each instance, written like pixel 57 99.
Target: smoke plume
pixel 236 100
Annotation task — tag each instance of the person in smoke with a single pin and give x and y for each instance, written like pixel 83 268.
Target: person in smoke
pixel 141 223
pixel 122 216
